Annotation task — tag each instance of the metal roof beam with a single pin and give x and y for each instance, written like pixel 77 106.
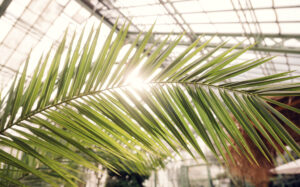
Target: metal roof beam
pixel 90 7
pixel 276 47
pixel 297 36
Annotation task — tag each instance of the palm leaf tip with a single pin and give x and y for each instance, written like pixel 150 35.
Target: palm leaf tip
pixel 85 105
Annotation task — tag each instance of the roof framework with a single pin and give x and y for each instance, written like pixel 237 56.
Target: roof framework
pixel 274 25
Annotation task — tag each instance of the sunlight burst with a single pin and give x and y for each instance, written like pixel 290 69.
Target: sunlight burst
pixel 135 81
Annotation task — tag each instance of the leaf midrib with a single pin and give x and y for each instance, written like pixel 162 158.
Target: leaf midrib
pixel 32 113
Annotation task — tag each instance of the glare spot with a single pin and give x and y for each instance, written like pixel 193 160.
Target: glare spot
pixel 135 81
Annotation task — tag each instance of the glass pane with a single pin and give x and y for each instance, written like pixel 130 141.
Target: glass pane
pixel 144 11
pixel 286 3
pixel 71 8
pixel 38 6
pixel 27 44
pixel 5 28
pixel 288 14
pixel 229 28
pixel 129 3
pixel 152 19
pixel 269 27
pixel 265 15
pixel 290 28
pixel 216 5
pixel 223 17
pixel 14 37
pixel 29 17
pixel 16 60
pixel 189 6
pixel 260 3
pixel 204 28
pixel 5 54
pixel 195 18
pixel 52 11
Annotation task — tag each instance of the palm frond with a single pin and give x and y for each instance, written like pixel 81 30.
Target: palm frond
pixel 83 110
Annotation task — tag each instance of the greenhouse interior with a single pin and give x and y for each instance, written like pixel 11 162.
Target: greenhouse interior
pixel 150 93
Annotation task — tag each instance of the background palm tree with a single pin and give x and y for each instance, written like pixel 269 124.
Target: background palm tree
pixel 79 109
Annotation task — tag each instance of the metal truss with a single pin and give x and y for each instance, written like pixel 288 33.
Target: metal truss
pixel 276 43
pixel 264 42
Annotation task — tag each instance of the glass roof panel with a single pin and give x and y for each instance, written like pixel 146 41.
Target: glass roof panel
pixel 81 16
pixel 245 16
pixel 290 28
pixel 204 28
pixel 212 5
pixel 36 5
pixel 288 14
pixel 71 8
pixel 27 44
pixel 51 12
pixel 23 2
pixel 161 28
pixel 6 52
pixel 223 17
pixel 195 18
pixel 15 60
pixel 144 10
pixel 29 17
pixel 5 26
pixel 151 19
pixel 256 3
pixel 58 27
pixel 132 3
pixel 265 15
pixel 6 76
pixel 269 27
pixel 229 28
pixel 285 3
pixel 62 2
pixel 42 25
pixel 189 6
pixel 14 37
